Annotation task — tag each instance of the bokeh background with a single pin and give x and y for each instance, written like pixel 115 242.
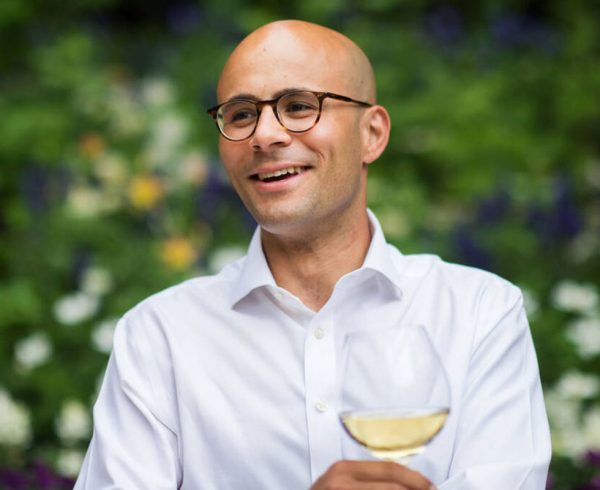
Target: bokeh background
pixel 111 186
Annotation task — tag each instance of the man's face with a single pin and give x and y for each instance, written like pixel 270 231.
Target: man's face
pixel 327 178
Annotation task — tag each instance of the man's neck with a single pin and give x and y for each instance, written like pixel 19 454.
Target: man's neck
pixel 310 266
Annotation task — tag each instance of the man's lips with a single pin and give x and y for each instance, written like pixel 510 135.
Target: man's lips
pixel 278 172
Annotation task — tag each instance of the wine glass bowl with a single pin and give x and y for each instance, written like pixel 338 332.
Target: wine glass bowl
pixel 394 392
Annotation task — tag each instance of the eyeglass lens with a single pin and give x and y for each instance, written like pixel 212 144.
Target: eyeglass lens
pixel 297 111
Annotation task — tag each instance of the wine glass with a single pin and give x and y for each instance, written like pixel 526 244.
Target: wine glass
pixel 394 391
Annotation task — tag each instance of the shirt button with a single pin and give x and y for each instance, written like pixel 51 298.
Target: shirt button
pixel 319 333
pixel 321 406
pixel 279 295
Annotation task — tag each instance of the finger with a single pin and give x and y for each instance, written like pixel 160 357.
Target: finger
pixel 343 482
pixel 380 486
pixel 361 485
pixel 386 471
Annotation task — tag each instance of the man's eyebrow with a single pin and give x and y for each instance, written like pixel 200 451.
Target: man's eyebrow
pixel 248 96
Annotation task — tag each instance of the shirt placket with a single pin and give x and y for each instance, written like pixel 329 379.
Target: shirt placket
pixel 323 425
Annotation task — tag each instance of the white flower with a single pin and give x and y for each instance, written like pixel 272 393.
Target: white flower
pixel 158 92
pixel 15 422
pixel 33 350
pixel 194 168
pixel 223 256
pixel 530 302
pixel 592 172
pixel 126 117
pixel 96 281
pixel 69 462
pixel 562 412
pixel 73 423
pixel 585 245
pixel 575 297
pixel 170 130
pixel 568 438
pixel 572 434
pixel 168 133
pixel 112 169
pixel 576 385
pixel 102 336
pixel 75 308
pixel 571 443
pixel 85 201
pixel 591 428
pixel 585 334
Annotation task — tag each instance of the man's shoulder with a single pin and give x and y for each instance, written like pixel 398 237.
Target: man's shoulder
pixel 451 274
pixel 191 293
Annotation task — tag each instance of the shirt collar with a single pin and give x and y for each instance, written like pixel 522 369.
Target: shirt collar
pixel 382 257
pixel 255 272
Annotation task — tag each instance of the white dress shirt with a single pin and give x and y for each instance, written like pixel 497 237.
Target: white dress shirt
pixel 229 381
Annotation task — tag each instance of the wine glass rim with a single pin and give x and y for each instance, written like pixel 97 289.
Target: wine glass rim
pixel 406 411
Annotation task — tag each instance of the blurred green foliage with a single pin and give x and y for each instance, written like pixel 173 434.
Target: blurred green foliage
pixel 111 188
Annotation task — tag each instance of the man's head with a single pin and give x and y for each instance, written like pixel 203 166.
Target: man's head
pixel 309 47
pixel 326 165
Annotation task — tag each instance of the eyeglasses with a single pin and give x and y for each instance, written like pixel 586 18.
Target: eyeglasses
pixel 297 112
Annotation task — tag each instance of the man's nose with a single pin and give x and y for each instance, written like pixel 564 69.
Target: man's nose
pixel 269 131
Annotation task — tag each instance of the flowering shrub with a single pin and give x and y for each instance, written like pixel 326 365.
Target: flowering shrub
pixel 36 477
pixel 111 187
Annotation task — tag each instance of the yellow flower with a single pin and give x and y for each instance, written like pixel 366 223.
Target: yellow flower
pixel 178 253
pixel 145 191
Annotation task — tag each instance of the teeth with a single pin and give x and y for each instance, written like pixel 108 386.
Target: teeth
pixel 278 173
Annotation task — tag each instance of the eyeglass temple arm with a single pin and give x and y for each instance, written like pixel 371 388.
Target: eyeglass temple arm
pixel 346 99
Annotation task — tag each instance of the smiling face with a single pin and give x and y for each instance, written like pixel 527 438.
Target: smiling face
pixel 296 182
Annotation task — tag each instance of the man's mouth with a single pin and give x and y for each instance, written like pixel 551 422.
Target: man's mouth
pixel 280 174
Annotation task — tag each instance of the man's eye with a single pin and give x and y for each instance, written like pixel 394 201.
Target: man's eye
pixel 299 108
pixel 242 116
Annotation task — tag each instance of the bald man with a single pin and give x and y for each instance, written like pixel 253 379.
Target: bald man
pixel 232 381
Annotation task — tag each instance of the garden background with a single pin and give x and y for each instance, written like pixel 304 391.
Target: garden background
pixel 111 186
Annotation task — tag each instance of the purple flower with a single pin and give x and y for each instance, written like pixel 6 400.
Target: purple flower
pixel 510 29
pixel 43 476
pixel 216 191
pixel 593 484
pixel 184 18
pixel 494 208
pixel 562 221
pixel 218 194
pixel 592 458
pixel 13 480
pixel 34 186
pixel 469 251
pixel 513 30
pixel 550 481
pixel 38 476
pixel 444 25
pixel 567 219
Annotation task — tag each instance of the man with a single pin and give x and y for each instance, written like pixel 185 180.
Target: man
pixel 228 381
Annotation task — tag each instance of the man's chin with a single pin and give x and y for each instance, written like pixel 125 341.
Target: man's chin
pixel 284 221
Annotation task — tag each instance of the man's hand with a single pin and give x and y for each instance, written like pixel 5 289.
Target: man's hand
pixel 371 475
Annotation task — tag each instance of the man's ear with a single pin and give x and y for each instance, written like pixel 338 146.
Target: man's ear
pixel 376 133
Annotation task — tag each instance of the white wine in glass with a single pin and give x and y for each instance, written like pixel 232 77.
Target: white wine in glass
pixel 394 434
pixel 395 392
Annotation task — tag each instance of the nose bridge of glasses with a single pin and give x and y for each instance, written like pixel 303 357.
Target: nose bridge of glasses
pixel 260 105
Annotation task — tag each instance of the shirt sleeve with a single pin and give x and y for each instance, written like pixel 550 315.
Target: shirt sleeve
pixel 503 440
pixel 134 445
